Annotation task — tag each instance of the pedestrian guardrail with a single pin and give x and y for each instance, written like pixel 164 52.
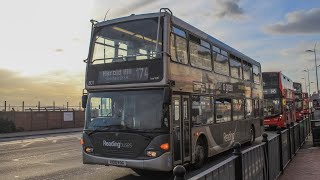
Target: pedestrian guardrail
pixel 265 161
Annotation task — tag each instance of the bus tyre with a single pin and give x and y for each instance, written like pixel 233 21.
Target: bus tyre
pixel 252 135
pixel 200 154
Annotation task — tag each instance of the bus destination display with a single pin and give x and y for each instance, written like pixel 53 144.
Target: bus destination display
pixel 124 75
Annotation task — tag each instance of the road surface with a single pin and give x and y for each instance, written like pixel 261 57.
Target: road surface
pixel 59 157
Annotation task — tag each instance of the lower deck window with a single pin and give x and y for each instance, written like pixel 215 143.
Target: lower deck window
pixel 223 110
pixel 202 110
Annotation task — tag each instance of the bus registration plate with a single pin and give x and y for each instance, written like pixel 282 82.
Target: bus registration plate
pixel 117 163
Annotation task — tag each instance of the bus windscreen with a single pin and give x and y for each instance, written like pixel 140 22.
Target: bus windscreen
pixel 127 41
pixel 270 79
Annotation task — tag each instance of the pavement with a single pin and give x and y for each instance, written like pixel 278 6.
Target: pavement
pixel 305 165
pixel 37 133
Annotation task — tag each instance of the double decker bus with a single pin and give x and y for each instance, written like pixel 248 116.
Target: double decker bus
pixel 161 92
pixel 299 102
pixel 306 109
pixel 279 100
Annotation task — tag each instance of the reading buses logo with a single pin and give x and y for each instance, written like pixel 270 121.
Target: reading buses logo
pixel 228 137
pixel 116 144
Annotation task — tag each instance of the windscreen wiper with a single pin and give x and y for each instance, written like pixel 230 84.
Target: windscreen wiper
pixel 102 128
pixel 98 130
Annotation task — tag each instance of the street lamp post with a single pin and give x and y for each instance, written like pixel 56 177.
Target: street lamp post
pixel 305 83
pixel 308 80
pixel 315 62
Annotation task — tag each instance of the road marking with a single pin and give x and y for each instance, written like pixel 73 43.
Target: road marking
pixel 41 139
pixel 27 144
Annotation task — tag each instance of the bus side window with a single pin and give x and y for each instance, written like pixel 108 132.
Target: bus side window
pixel 256 74
pixel 179 46
pixel 221 64
pixel 200 54
pixel 256 107
pixel 223 110
pixel 202 110
pixel 248 108
pixel 247 71
pixel 237 109
pixel 235 67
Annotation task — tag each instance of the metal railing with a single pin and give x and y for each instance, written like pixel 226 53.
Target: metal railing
pixel 265 161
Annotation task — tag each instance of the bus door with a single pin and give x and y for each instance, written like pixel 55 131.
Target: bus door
pixel 181 129
pixel 289 112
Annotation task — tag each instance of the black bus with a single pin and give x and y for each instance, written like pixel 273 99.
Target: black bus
pixel 162 92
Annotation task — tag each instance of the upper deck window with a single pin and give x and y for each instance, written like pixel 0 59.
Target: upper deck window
pixel 200 55
pixel 221 64
pixel 247 71
pixel 179 32
pixel 127 41
pixel 179 46
pixel 225 53
pixel 235 67
pixel 270 79
pixel 215 49
pixel 256 74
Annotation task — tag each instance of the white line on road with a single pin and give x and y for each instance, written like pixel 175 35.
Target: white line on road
pixel 41 139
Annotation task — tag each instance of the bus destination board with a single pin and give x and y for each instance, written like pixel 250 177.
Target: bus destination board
pixel 124 75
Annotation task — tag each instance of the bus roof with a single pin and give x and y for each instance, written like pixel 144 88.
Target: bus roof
pixel 188 27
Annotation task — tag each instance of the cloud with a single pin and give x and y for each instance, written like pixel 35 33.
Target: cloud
pixel 229 9
pixel 297 22
pixel 58 86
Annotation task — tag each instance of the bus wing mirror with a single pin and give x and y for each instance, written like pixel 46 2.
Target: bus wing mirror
pixel 84 101
pixel 167 96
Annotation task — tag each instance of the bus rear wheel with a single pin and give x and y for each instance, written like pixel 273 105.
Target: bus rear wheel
pixel 252 135
pixel 200 154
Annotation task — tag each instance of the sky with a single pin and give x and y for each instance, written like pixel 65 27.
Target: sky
pixel 43 42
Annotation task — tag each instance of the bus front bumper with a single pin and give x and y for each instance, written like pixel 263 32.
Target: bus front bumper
pixel 161 163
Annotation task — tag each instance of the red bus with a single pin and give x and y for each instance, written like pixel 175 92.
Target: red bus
pixel 305 104
pixel 279 99
pixel 298 101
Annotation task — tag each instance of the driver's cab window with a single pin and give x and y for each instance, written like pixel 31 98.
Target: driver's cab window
pixel 101 107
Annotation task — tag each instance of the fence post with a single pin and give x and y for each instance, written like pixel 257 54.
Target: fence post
pixel 47 117
pixel 22 106
pixel 289 140
pixel 266 154
pixel 299 124
pixel 31 119
pixel 179 173
pixel 5 106
pixel 74 118
pixel 238 165
pixel 280 148
pixel 294 138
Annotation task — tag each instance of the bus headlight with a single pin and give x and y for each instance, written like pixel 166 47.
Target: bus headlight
pixel 151 154
pixel 88 150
